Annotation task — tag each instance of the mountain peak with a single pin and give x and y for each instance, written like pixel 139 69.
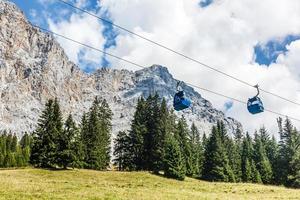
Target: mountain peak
pixel 159 68
pixel 34 68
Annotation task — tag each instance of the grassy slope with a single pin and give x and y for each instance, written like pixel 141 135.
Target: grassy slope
pixel 88 184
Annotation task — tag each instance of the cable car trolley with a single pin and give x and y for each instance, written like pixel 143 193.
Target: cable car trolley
pixel 180 101
pixel 255 104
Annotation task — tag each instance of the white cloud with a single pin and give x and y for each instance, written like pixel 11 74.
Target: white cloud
pixel 222 35
pixel 46 2
pixel 292 59
pixel 81 3
pixel 82 28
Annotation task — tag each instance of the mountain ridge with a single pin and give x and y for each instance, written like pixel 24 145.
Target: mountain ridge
pixel 34 68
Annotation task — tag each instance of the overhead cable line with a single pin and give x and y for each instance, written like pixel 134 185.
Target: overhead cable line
pixel 143 67
pixel 175 52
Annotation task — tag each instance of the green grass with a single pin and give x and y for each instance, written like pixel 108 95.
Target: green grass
pixel 88 184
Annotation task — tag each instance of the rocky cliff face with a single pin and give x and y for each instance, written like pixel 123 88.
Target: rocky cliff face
pixel 34 68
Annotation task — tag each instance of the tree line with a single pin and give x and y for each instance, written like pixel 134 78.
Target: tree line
pixel 157 141
pixel 58 144
pixel 14 153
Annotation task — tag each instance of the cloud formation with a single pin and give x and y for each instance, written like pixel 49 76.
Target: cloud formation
pixel 85 29
pixel 223 35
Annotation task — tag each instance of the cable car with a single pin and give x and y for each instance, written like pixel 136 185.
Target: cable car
pixel 255 104
pixel 180 101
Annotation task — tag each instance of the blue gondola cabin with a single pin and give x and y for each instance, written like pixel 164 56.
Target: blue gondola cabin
pixel 180 102
pixel 255 105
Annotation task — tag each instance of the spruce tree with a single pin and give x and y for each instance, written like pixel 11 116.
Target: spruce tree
pixel 44 145
pixel 174 165
pixel 97 135
pixel 65 153
pixel 234 157
pixel 25 146
pixel 121 153
pixel 272 154
pixel 9 141
pixel 181 135
pixel 256 177
pixel 136 137
pixel 246 159
pixel 77 147
pixel 14 143
pixel 20 161
pixel 2 149
pixel 25 141
pixel 160 134
pixel 156 115
pixel 294 175
pixel 262 162
pixel 216 165
pixel 197 150
pixel 84 138
pixel 289 146
pixel 9 160
pixel 105 116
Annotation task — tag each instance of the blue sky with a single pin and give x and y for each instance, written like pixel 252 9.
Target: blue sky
pixel 268 52
pixel 205 3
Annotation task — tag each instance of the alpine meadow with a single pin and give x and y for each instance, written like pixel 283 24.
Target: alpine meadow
pixel 84 114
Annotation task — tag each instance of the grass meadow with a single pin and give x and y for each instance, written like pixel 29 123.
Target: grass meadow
pixel 88 184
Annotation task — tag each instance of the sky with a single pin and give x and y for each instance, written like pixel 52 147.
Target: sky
pixel 256 41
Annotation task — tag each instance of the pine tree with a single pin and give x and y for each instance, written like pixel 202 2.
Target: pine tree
pixel 65 153
pixel 25 141
pixel 57 132
pixel 272 154
pixel 9 141
pixel 9 160
pixel 14 143
pixel 44 145
pixel 216 165
pixel 121 153
pixel 155 120
pixel 289 146
pixel 262 162
pixel 174 165
pixel 77 147
pixel 247 171
pixel 105 116
pixel 181 135
pixel 160 134
pixel 97 135
pixel 2 149
pixel 20 161
pixel 255 178
pixel 136 137
pixel 294 176
pixel 230 149
pixel 84 138
pixel 247 159
pixel 234 157
pixel 25 146
pixel 197 150
pixel 238 135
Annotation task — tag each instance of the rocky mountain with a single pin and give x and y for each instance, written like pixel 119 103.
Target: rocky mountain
pixel 34 68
